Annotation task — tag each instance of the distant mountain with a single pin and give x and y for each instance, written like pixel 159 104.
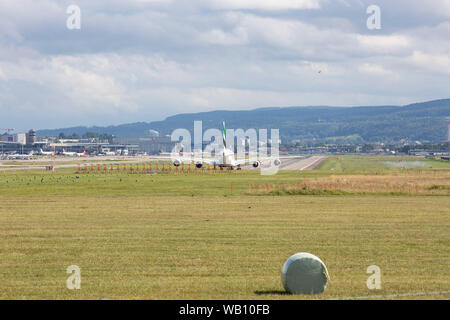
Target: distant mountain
pixel 425 121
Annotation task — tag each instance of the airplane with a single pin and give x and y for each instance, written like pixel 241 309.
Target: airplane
pixel 69 154
pixel 226 158
pixel 107 153
pixel 46 153
pixel 17 156
pixel 73 154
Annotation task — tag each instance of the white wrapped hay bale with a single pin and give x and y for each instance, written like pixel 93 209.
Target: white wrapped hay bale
pixel 304 273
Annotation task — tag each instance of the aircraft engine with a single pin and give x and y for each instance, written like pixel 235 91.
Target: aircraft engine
pixel 199 165
pixel 277 162
pixel 256 164
pixel 176 163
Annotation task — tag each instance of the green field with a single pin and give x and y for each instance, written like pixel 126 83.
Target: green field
pixel 225 235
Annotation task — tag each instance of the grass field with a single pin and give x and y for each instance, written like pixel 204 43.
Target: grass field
pixel 225 235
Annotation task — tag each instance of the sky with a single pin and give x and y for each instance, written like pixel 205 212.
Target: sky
pixel 144 60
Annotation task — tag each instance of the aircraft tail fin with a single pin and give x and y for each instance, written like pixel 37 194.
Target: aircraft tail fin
pixel 224 136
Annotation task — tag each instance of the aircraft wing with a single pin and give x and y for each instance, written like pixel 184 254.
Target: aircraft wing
pixel 252 161
pixel 207 161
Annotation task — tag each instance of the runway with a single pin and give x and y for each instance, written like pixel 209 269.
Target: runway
pixel 287 163
pixel 294 163
pixel 301 163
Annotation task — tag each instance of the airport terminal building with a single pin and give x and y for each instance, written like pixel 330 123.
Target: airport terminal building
pixel 29 143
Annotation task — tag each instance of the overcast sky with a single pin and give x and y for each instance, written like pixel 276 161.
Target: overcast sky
pixel 144 60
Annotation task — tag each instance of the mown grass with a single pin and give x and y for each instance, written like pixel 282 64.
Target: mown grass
pixel 212 247
pixel 67 182
pixel 193 236
pixel 380 164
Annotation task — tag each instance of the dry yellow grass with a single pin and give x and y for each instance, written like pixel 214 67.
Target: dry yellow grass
pixel 426 182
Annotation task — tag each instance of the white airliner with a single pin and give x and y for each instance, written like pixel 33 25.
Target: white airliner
pixel 73 154
pixel 17 156
pixel 107 153
pixel 46 153
pixel 226 158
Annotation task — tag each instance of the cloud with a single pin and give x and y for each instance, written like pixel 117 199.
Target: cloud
pixel 390 44
pixel 436 63
pixel 238 36
pixel 144 60
pixel 374 69
pixel 263 4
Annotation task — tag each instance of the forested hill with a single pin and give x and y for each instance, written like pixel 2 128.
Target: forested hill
pixel 427 121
